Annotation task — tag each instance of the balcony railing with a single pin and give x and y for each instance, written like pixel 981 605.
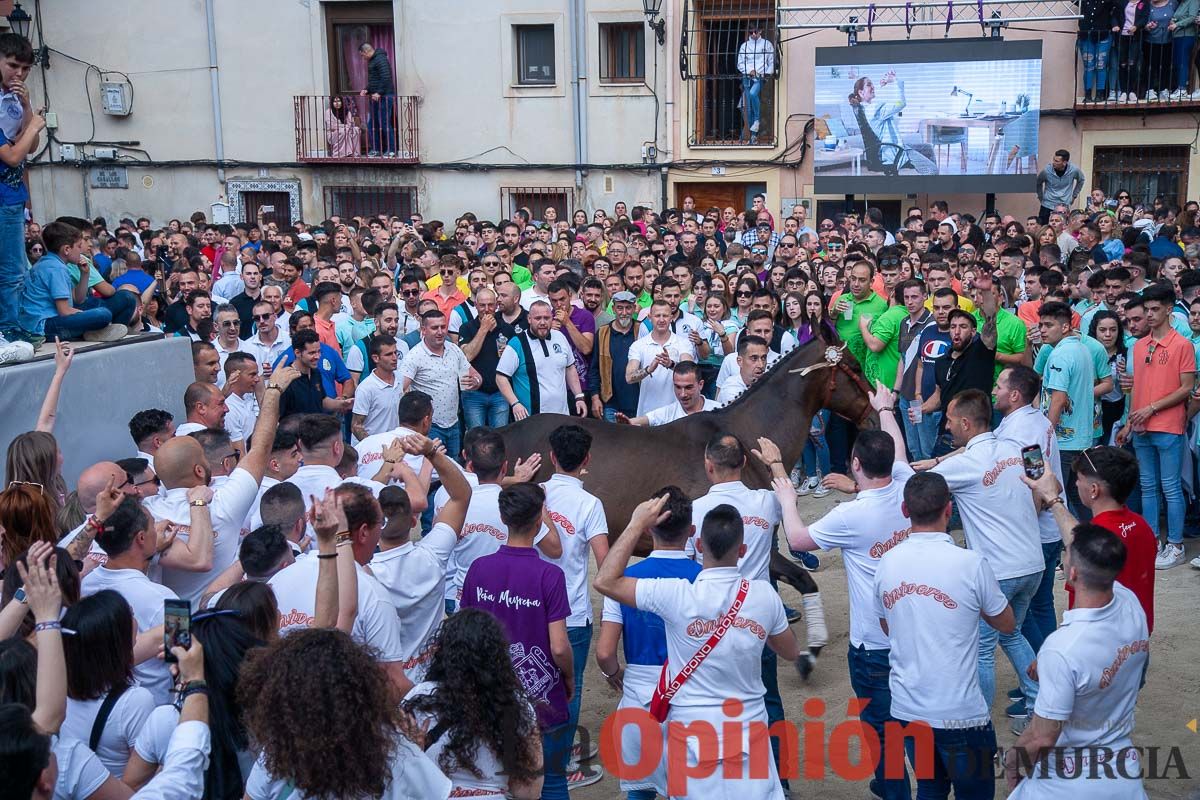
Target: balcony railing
pixel 1132 73
pixel 353 129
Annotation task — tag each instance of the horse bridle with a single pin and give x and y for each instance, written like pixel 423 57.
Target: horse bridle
pixel 836 363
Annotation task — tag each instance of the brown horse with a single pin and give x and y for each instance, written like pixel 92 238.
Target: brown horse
pixel 629 463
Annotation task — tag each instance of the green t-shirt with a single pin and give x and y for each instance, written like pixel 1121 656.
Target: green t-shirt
pixel 1069 368
pixel 94 275
pixel 522 277
pixel 1011 335
pixel 881 366
pixel 847 329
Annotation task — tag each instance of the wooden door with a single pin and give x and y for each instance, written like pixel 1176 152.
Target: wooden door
pixel 721 195
pixel 281 215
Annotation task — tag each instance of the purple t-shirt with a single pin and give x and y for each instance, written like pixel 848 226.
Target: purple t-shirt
pixel 526 594
pixel 586 323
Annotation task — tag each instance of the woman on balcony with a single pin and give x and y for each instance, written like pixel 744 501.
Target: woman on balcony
pixel 343 134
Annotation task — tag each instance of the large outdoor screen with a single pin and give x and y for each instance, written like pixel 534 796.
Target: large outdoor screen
pixel 953 117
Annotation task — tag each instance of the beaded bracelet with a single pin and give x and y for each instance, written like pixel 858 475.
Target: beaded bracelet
pixel 53 625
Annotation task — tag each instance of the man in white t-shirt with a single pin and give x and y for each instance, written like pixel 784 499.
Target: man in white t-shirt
pixel 129 539
pixel 322 448
pixel 865 528
pixel 414 575
pixel 194 559
pixel 1000 523
pixel 652 357
pixel 752 354
pixel 205 406
pixel 689 398
pixel 241 382
pixel 930 598
pixel 414 414
pixel 583 529
pixel 1090 671
pixel 760 324
pixel 691 613
pixel 377 397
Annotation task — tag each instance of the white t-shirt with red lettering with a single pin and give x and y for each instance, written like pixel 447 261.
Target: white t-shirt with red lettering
pixel 579 517
pixel 376 624
pixel 1028 426
pixel 760 511
pixel 932 592
pixel 865 528
pixel 998 515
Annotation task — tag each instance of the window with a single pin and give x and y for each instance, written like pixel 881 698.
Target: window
pixel 536 199
pixel 1144 172
pixel 369 201
pixel 535 54
pixel 623 52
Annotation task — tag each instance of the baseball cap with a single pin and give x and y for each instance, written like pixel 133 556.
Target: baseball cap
pixel 624 297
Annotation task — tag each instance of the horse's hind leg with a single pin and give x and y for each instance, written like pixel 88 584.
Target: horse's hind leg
pixel 783 569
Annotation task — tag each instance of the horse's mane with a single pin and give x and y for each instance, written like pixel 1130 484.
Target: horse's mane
pixel 784 363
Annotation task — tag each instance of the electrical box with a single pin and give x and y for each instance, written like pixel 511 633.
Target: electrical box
pixel 106 154
pixel 116 98
pixel 67 152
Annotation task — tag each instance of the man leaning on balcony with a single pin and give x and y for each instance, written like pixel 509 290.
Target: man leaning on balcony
pixel 755 61
pixel 381 89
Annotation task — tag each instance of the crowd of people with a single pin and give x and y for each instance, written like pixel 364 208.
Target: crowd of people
pixel 350 380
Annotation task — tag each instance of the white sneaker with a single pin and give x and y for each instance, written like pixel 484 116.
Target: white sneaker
pixel 797 477
pixel 1112 97
pixel 1195 562
pixel 1178 94
pixel 1171 555
pixel 109 333
pixel 1151 96
pixel 754 128
pixel 821 490
pixel 808 486
pixel 1196 95
pixel 15 352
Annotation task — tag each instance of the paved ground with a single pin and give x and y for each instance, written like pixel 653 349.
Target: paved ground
pixel 1170 700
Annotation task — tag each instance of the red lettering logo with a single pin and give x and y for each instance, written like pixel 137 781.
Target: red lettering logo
pixel 1123 654
pixel 879 548
pixel 563 523
pixel 294 619
pixel 483 527
pixel 704 627
pixel 757 522
pixel 993 474
pixel 890 598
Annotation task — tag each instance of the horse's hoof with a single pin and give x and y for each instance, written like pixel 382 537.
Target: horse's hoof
pixel 805 664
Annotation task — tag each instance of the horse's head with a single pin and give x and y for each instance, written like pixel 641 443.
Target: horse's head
pixel 839 383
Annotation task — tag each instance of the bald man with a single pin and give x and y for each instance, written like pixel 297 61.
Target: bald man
pixel 205 406
pixel 200 554
pixel 92 482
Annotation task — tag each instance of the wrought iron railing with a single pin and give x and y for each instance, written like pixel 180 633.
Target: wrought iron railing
pixel 357 129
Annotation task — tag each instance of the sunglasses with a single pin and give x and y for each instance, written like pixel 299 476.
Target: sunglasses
pixel 785 244
pixel 230 323
pixel 263 317
pixel 491 263
pixel 835 247
pixel 744 294
pixel 826 227
pixel 154 480
pixel 411 293
pixel 40 488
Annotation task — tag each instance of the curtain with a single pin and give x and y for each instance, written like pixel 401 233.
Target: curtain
pixel 352 71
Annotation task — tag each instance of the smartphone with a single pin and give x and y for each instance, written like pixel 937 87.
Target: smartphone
pixel 177 626
pixel 266 209
pixel 1035 465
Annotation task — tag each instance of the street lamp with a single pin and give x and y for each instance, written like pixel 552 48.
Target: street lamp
pixel 19 21
pixel 659 26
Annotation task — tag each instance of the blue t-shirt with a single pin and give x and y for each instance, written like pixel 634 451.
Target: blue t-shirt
pixel 934 345
pixel 46 282
pixel 137 278
pixel 102 263
pixel 643 638
pixel 12 187
pixel 1069 369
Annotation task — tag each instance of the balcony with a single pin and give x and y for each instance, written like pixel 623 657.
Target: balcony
pixel 1138 77
pixel 360 132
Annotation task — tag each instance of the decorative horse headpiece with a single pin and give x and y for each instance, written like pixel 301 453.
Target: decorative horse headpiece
pixel 833 357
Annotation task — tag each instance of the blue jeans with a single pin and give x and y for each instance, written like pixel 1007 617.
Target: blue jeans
pixel 76 325
pixel 1160 456
pixel 816 451
pixel 751 92
pixel 451 438
pixel 381 124
pixel 481 408
pixel 641 794
pixel 962 760
pixel 1041 620
pixel 1093 52
pixel 1019 592
pixel 580 637
pixel 772 699
pixel 556 751
pixel 121 305
pixel 1181 58
pixel 920 436
pixel 13 263
pixel 869 674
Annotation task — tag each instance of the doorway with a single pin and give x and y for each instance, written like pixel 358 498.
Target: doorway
pixel 707 194
pixel 275 207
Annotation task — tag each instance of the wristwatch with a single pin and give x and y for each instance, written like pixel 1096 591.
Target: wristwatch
pixel 276 386
pixel 198 503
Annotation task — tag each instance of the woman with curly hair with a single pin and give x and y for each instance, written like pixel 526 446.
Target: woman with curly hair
pixel 481 731
pixel 339 736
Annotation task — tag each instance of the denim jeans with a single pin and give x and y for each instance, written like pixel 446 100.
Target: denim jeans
pixel 840 435
pixel 76 325
pixel 580 637
pixel 641 794
pixel 1093 52
pixel 556 751
pixel 1160 457
pixel 816 451
pixel 13 263
pixel 481 408
pixel 1181 58
pixel 1041 620
pixel 920 436
pixel 1067 475
pixel 121 305
pixel 772 699
pixel 751 92
pixel 381 125
pixel 869 674
pixel 962 760
pixel 1019 592
pixel 451 438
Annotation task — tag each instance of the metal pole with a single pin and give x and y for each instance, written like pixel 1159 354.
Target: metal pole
pixel 218 136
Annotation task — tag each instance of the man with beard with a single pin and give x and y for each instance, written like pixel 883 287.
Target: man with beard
pixel 969 364
pixel 508 301
pixel 537 370
pixel 250 294
pixel 482 340
pixel 689 398
pixel 612 394
pixel 592 295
